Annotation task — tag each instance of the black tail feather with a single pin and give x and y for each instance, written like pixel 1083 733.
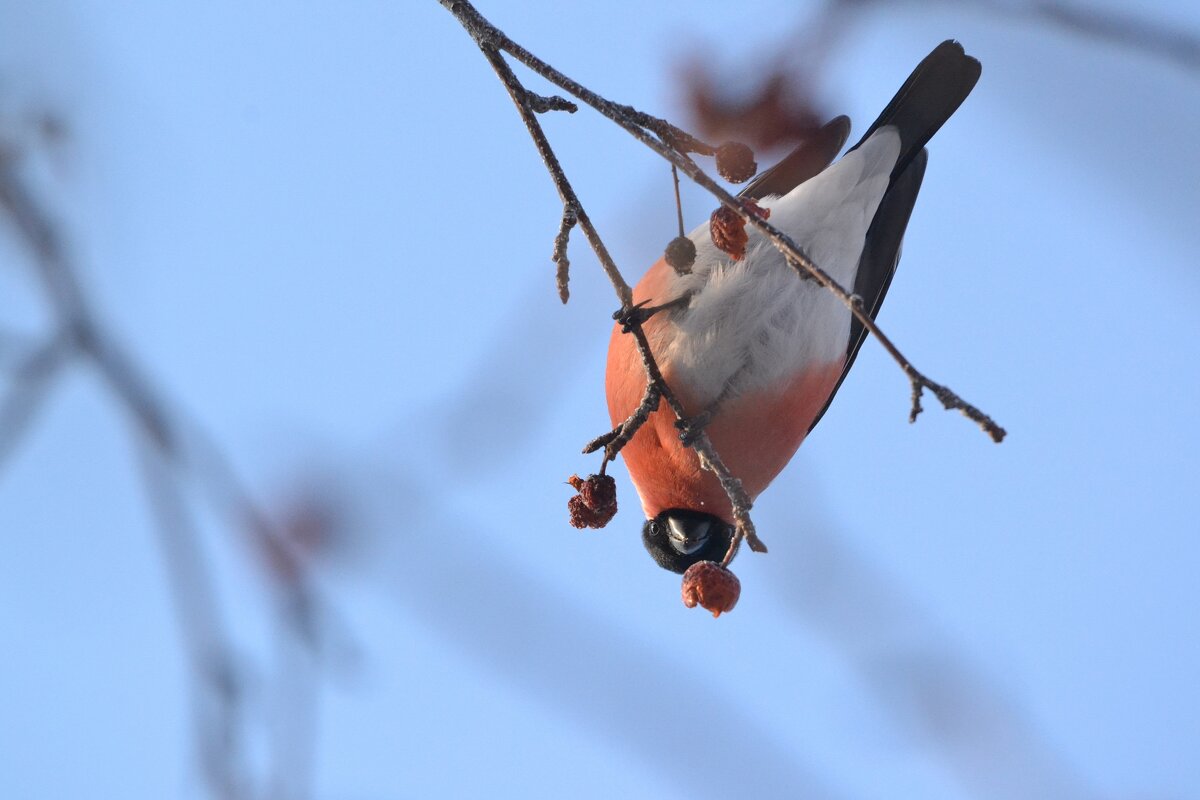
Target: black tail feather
pixel 934 91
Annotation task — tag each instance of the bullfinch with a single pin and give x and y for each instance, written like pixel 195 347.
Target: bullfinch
pixel 751 346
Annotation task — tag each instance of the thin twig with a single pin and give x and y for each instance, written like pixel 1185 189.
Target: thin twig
pixel 294 730
pixel 217 692
pixel 29 383
pixel 1112 27
pixel 678 200
pixel 618 437
pixel 565 191
pixel 570 217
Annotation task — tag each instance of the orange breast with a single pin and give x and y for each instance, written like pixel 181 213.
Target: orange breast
pixel 755 435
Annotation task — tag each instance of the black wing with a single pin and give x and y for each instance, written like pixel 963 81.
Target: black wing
pixel 812 156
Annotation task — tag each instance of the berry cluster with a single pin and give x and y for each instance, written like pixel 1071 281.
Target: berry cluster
pixel 596 502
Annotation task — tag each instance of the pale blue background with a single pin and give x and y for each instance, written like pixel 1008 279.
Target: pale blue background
pixel 324 230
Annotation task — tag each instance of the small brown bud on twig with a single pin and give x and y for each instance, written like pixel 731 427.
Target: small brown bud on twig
pixel 596 502
pixel 541 104
pixel 681 254
pixel 711 586
pixel 735 162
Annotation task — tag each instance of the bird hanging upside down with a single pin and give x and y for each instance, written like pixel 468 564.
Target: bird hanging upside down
pixel 751 346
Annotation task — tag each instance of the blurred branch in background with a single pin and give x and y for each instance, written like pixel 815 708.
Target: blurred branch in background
pixel 781 108
pixel 30 372
pixel 918 677
pixel 173 450
pixel 217 702
pixel 661 708
pixel 1133 32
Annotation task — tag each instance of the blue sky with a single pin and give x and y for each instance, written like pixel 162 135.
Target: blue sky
pixel 325 234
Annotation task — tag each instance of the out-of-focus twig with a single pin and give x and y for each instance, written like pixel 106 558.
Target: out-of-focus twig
pixel 175 449
pixel 782 106
pixel 559 647
pixel 182 443
pixel 293 718
pixel 217 707
pixel 919 677
pixel 1118 28
pixel 30 379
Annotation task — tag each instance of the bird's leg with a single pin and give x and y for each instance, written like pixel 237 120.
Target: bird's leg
pixel 691 427
pixel 629 317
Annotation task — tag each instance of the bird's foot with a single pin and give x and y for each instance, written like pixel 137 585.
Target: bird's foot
pixel 690 428
pixel 629 317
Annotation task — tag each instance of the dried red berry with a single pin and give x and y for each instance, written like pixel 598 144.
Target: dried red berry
pixel 581 516
pixel 728 229
pixel 735 162
pixel 598 491
pixel 711 586
pixel 596 502
pixel 728 232
pixel 681 254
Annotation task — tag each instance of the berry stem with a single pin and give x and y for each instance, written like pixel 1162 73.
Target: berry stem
pixel 678 201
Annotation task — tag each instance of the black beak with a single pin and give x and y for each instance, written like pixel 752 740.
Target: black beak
pixel 680 537
pixel 687 536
